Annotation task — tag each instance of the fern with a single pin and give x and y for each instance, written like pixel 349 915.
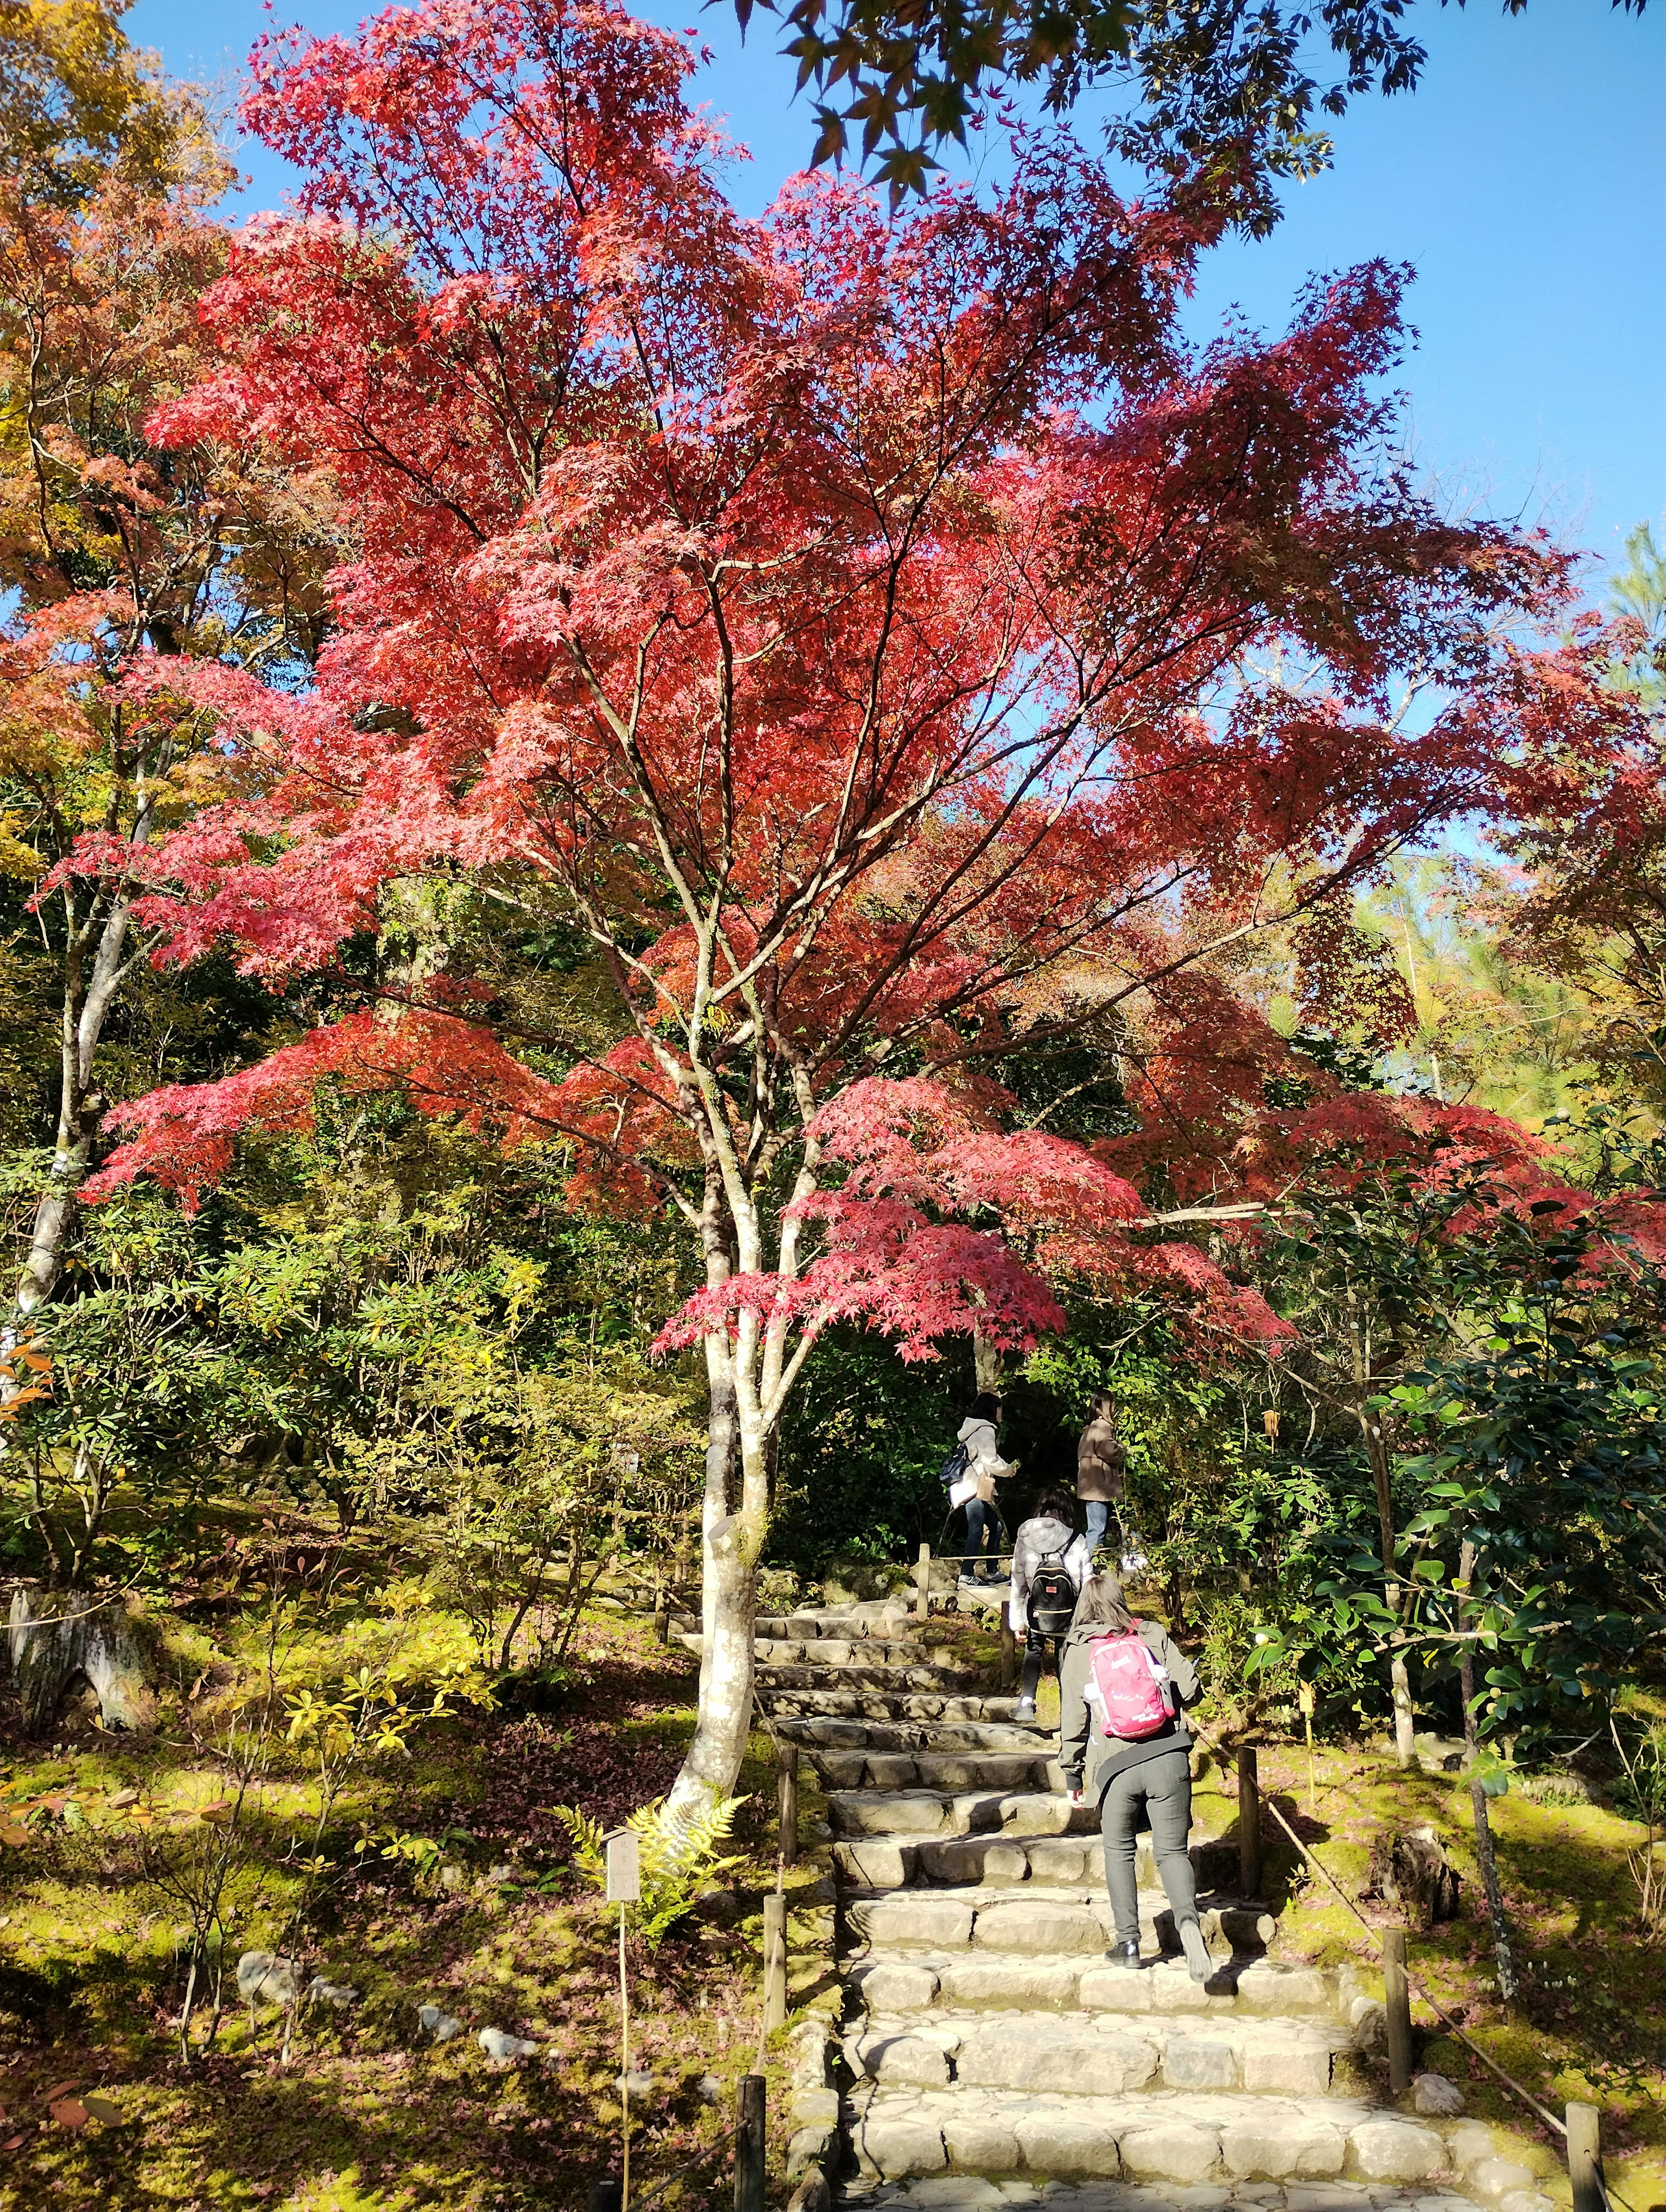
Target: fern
pixel 678 1860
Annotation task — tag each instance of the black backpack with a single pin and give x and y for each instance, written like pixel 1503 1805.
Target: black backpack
pixel 1052 1596
pixel 954 1466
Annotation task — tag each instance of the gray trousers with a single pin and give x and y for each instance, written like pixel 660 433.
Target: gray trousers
pixel 1158 1795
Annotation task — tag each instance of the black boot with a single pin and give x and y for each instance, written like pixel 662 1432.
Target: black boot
pixel 1124 1955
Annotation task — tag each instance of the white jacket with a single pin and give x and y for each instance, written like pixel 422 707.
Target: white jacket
pixel 983 1457
pixel 1037 1540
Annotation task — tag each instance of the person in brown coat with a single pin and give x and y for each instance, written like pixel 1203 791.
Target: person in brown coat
pixel 1101 1468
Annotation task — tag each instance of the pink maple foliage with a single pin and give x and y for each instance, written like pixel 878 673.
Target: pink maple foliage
pixel 856 628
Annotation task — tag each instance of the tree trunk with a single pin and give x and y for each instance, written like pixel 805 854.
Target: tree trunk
pixel 729 1554
pixel 88 1000
pixel 985 1362
pixel 55 1635
pixel 1485 1859
pixel 1400 1687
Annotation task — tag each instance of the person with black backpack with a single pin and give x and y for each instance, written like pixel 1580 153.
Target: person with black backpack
pixel 1050 1563
pixel 969 1477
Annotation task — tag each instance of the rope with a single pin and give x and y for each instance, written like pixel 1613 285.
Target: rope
pixel 677 2173
pixel 1510 2082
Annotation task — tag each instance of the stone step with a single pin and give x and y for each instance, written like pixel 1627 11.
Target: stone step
pixel 890 1619
pixel 1028 1769
pixel 1006 1855
pixel 880 1620
pixel 1099 2053
pixel 838 1652
pixel 1024 1736
pixel 848 1651
pixel 1031 1921
pixel 891 1680
pixel 920 1812
pixel 887 1701
pixel 1190 2138
pixel 969 2192
pixel 905 1982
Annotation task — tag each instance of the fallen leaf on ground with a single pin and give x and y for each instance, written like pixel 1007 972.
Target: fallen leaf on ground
pixel 125 1797
pixel 102 2108
pixel 68 2113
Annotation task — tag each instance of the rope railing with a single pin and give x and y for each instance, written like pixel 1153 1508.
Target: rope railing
pixel 1541 2112
pixel 1600 2190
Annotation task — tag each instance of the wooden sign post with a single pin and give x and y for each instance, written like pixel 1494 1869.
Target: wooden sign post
pixel 1304 1700
pixel 625 1887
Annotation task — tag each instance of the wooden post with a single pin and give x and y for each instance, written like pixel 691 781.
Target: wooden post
pixel 1584 2158
pixel 749 2144
pixel 774 1962
pixel 787 1778
pixel 661 1613
pixel 922 1584
pixel 1397 2001
pixel 1008 1657
pixel 1249 1823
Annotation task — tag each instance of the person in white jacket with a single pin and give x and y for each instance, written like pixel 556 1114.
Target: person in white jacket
pixel 1050 1544
pixel 976 1488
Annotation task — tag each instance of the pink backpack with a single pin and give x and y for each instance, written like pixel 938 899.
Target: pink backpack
pixel 1130 1685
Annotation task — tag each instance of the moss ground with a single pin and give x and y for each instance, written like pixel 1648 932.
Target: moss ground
pixel 367 2115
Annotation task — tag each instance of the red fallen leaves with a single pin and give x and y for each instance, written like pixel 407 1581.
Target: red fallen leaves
pixel 855 623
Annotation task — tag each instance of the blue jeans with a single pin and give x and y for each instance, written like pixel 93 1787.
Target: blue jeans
pixel 1098 1516
pixel 984 1530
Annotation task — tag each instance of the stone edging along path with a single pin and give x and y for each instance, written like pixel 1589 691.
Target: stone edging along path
pixel 990 2055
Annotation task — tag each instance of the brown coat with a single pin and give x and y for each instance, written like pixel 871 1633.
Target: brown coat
pixel 1101 1463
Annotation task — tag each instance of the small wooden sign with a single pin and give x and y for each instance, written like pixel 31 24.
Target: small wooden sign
pixel 1269 1421
pixel 624 1866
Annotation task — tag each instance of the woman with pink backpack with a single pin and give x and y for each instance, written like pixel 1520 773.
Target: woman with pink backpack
pixel 1124 1745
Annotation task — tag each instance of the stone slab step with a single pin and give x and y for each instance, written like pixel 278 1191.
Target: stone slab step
pixel 901 1983
pixel 1096 2054
pixel 828 1652
pixel 1030 1921
pixel 1027 1769
pixel 943 1737
pixel 919 1813
pixel 886 1701
pixel 920 1676
pixel 887 1620
pixel 967 2192
pixel 846 1651
pixel 1007 1857
pixel 1186 2138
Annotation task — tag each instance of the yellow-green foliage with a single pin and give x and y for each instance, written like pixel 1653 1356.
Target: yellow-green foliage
pixel 678 1858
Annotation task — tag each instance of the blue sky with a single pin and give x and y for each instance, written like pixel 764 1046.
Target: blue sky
pixel 1526 182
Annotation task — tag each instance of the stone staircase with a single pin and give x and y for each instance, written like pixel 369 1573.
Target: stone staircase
pixel 991 2056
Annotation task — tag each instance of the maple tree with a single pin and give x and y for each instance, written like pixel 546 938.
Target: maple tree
pixel 79 103
pixel 122 557
pixel 848 636
pixel 1586 901
pixel 1234 91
